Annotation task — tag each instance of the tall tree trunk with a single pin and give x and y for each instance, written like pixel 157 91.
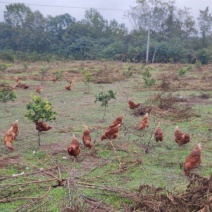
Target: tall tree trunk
pixel 153 58
pixel 104 114
pixel 38 138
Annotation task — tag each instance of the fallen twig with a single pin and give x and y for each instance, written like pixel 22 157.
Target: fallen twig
pixel 25 198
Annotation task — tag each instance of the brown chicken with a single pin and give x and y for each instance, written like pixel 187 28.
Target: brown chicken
pixel 193 160
pixel 144 122
pixel 74 147
pixel 53 80
pixel 111 133
pixel 41 126
pixel 72 82
pixel 181 138
pixel 38 89
pixel 8 139
pixel 15 129
pixel 133 105
pixel 17 80
pixel 158 134
pixel 86 138
pixel 24 86
pixel 117 121
pixel 69 87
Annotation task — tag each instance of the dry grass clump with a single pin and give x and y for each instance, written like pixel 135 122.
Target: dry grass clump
pixel 197 197
pixel 165 105
pixel 107 76
pixel 147 109
pixel 165 101
pixel 205 96
pixel 165 85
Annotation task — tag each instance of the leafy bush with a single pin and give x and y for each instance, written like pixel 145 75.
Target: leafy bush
pixel 43 72
pixel 182 71
pixel 87 78
pixel 25 66
pixel 3 68
pixel 7 56
pixel 104 98
pixel 7 94
pixel 39 109
pixel 129 72
pixel 58 74
pixel 147 77
pixel 203 56
pixel 198 64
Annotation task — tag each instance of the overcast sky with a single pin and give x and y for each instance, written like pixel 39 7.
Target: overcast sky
pixel 109 9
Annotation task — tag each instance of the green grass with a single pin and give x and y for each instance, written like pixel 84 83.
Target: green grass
pixel 160 167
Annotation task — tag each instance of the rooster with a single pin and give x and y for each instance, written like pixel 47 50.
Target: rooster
pixel 193 160
pixel 15 129
pixel 8 139
pixel 86 138
pixel 181 138
pixel 158 134
pixel 74 147
pixel 144 122
pixel 41 126
pixel 133 105
pixel 117 121
pixel 111 133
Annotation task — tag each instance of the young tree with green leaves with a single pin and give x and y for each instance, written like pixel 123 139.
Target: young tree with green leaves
pixel 43 73
pixel 58 75
pixel 6 95
pixel 147 77
pixel 3 68
pixel 104 98
pixel 87 79
pixel 39 109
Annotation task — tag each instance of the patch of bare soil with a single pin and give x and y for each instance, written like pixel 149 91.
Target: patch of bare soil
pixel 85 159
pixel 193 100
pixel 88 160
pixel 55 148
pixel 5 162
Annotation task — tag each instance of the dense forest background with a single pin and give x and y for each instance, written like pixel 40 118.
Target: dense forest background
pixel 175 36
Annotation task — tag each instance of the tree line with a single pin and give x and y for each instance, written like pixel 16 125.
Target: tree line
pixel 174 35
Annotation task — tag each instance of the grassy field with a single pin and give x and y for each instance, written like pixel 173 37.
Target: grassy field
pixel 102 178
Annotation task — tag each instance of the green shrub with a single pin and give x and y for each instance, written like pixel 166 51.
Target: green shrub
pixel 87 79
pixel 7 56
pixel 39 109
pixel 58 74
pixel 147 77
pixel 104 98
pixel 182 71
pixel 203 56
pixel 6 95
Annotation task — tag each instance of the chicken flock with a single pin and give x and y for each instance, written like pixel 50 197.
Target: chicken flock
pixel 112 132
pixel 192 161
